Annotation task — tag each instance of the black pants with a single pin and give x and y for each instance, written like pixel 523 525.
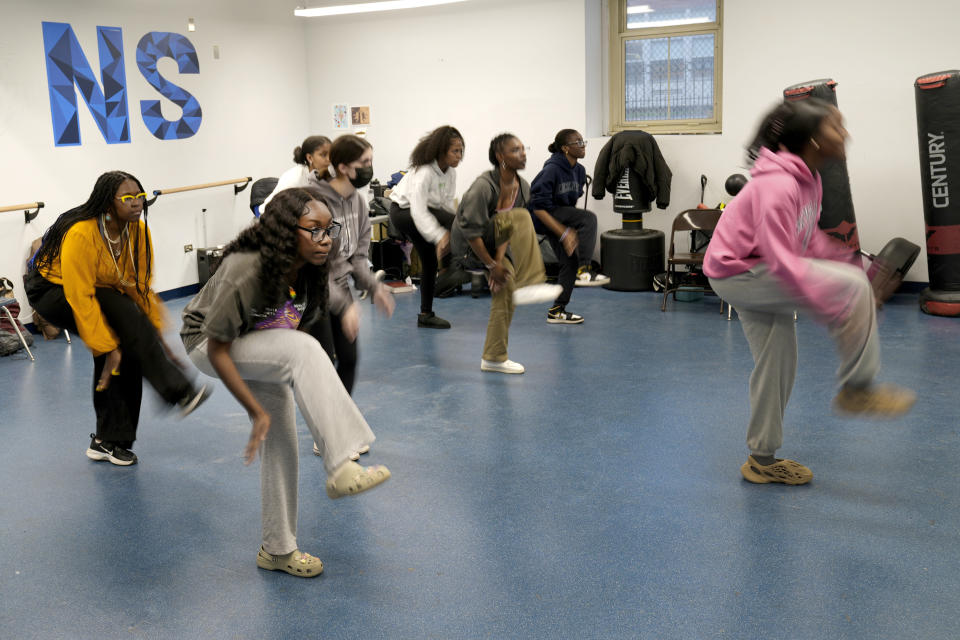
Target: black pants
pixel 585 224
pixel 143 357
pixel 343 353
pixel 403 221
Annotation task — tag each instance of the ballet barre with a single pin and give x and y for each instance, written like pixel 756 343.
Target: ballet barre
pixel 28 215
pixel 239 184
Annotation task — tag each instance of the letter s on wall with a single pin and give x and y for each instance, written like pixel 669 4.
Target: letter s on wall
pixel 152 47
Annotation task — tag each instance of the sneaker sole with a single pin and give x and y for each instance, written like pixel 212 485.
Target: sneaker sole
pixel 97 456
pixel 746 470
pixel 196 401
pixel 492 370
pixel 558 321
pixel 590 284
pixel 889 414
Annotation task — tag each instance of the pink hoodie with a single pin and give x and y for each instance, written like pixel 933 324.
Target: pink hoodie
pixel 774 221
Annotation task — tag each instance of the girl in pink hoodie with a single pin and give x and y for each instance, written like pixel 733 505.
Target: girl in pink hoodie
pixel 769 258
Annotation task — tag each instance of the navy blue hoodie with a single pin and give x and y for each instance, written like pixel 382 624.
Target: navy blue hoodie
pixel 557 185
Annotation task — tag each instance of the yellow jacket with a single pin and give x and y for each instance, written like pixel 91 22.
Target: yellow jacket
pixel 85 263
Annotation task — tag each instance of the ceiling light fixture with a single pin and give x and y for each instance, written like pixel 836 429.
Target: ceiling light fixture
pixel 367 7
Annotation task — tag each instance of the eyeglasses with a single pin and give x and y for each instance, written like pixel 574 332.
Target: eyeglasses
pixel 129 199
pixel 317 234
pixel 576 143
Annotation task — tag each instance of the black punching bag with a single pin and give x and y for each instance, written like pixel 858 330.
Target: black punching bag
pixel 837 217
pixel 938 130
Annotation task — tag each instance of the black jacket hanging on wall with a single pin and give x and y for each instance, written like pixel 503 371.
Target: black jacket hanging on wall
pixel 634 156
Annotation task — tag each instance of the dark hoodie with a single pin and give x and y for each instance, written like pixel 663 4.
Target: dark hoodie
pixel 558 184
pixel 474 215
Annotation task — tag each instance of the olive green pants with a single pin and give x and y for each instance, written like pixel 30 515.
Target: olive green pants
pixel 523 269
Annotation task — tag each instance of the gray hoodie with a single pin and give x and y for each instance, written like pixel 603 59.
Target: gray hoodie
pixel 349 255
pixel 475 213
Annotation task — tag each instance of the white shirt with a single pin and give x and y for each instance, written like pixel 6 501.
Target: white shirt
pixel 299 175
pixel 424 187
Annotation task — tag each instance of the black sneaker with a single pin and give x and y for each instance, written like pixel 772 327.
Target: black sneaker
pixel 111 452
pixel 193 400
pixel 431 321
pixel 559 315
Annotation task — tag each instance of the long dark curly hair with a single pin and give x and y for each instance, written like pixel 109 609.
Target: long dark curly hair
pixel 274 237
pixel 434 146
pixel 102 200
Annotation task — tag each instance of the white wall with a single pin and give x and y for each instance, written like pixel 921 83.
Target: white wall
pixel 484 66
pixel 254 108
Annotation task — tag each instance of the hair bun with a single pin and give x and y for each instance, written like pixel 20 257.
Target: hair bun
pixel 552 148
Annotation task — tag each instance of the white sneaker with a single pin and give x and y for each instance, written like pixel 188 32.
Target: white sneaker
pixel 537 294
pixel 507 366
pixel 587 278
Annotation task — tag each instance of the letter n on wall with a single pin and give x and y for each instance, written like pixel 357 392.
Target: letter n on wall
pixel 152 47
pixel 67 68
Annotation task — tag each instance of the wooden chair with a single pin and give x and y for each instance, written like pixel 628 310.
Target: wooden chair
pixel 704 220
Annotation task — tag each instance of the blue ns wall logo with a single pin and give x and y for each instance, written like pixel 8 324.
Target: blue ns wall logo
pixel 67 67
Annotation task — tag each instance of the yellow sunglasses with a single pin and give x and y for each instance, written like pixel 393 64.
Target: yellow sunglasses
pixel 129 199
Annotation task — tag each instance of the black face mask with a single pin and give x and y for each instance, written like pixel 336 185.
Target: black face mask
pixel 363 178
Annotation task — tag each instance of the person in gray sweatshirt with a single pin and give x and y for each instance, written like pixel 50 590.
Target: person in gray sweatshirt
pixel 351 158
pixel 491 219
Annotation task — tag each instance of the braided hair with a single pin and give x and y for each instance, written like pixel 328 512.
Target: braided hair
pixel 101 200
pixel 274 237
pixel 789 125
pixel 496 146
pixel 434 146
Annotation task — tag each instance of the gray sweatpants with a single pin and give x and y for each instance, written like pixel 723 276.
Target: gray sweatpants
pixel 286 369
pixel 766 312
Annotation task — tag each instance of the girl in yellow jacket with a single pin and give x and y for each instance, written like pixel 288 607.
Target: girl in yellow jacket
pixel 92 276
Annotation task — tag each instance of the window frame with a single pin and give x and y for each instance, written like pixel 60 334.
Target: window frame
pixel 619 35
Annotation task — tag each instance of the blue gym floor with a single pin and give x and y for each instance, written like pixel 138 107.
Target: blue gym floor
pixel 596 496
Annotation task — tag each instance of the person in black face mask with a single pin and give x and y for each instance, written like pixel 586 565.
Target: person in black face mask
pixel 351 159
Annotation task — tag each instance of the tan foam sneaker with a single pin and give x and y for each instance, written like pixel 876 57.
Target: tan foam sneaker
pixel 296 563
pixel 782 471
pixel 350 478
pixel 879 401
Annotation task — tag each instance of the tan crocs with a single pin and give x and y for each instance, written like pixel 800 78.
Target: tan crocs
pixel 296 563
pixel 782 471
pixel 878 401
pixel 350 479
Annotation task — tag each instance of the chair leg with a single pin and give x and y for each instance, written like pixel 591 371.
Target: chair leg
pixel 66 334
pixel 23 340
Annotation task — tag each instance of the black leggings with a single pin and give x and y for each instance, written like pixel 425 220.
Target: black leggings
pixel 143 357
pixel 343 353
pixel 403 221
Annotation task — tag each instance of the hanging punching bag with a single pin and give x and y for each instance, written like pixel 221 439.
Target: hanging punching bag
pixel 938 130
pixel 837 217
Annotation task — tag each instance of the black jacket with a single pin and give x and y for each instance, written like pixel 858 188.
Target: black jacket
pixel 636 150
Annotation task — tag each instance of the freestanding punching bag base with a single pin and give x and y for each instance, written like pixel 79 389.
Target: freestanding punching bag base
pixel 940 303
pixel 631 257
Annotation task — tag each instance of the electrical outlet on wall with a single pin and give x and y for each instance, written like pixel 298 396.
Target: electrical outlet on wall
pixel 187 248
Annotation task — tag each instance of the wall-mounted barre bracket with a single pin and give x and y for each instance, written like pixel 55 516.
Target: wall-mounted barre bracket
pixel 239 184
pixel 29 215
